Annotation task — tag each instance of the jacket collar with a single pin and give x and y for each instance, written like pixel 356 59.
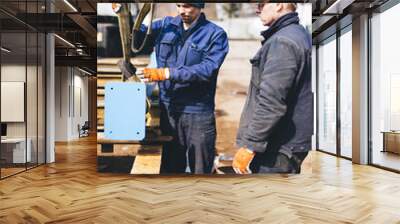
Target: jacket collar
pixel 177 21
pixel 285 20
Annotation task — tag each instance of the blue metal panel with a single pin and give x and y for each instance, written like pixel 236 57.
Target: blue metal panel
pixel 124 111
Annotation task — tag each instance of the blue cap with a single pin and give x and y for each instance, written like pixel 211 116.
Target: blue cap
pixel 197 4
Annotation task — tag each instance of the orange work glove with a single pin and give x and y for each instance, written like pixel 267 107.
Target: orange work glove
pixel 242 160
pixel 156 74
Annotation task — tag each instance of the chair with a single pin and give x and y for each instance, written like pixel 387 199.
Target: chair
pixel 84 130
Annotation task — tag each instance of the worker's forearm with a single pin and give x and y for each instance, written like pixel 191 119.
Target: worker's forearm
pixel 196 73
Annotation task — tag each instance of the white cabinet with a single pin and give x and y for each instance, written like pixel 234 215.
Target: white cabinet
pixel 19 155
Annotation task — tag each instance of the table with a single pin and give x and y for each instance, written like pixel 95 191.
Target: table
pixel 13 150
pixel 391 141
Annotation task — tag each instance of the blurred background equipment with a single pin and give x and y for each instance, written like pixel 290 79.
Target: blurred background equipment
pixel 124 23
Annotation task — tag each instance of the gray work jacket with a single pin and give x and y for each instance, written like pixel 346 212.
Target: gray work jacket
pixel 278 113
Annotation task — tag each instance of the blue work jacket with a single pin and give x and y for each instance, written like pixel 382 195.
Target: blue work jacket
pixel 193 56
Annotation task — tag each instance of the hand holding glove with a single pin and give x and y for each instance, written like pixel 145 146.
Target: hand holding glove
pixel 156 74
pixel 242 160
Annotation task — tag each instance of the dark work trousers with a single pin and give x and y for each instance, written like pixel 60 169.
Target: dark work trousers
pixel 276 162
pixel 193 146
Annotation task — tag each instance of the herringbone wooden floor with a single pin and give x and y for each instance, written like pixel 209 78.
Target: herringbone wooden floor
pixel 71 191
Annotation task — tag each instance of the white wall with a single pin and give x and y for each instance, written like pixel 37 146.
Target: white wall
pixel 14 73
pixel 33 127
pixel 61 103
pixel 71 94
pixel 80 111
